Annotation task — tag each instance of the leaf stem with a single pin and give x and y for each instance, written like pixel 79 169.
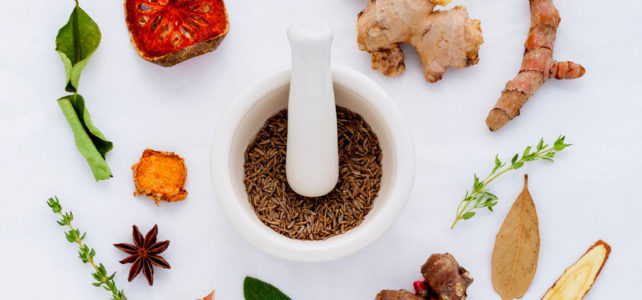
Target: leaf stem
pixel 85 253
pixel 480 194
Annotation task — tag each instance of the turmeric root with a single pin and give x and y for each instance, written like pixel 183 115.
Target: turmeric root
pixel 537 66
pixel 442 38
pixel 578 279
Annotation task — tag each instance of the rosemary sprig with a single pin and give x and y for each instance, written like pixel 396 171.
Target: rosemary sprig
pixel 480 196
pixel 85 253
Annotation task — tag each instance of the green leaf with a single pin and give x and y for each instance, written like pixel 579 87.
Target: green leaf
pixel 512 161
pixel 54 204
pixel 468 215
pixel 254 289
pixel 498 164
pixel 75 43
pixel 559 144
pixel 561 147
pixel 490 195
pixel 91 143
pixel 476 183
pixel 541 145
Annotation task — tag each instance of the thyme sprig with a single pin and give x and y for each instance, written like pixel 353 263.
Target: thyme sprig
pixel 85 253
pixel 481 197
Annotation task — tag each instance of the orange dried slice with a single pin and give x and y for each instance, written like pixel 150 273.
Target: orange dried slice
pixel 160 176
pixel 167 32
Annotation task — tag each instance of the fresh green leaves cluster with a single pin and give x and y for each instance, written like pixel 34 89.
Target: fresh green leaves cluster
pixel 75 43
pixel 86 253
pixel 481 197
pixel 254 289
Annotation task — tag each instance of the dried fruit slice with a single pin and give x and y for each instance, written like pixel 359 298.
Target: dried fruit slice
pixel 167 32
pixel 160 176
pixel 578 279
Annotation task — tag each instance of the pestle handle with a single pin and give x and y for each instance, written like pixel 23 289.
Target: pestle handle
pixel 312 158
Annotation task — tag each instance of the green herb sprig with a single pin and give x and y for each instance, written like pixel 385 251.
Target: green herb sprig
pixel 481 197
pixel 75 43
pixel 85 253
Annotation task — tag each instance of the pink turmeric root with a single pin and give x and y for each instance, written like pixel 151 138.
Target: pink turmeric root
pixel 537 66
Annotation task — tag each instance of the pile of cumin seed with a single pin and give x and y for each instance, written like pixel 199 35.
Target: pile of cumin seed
pixel 299 217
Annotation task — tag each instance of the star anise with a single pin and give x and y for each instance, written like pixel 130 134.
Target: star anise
pixel 144 253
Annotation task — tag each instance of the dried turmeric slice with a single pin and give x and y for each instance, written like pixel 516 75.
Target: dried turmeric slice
pixel 578 279
pixel 160 176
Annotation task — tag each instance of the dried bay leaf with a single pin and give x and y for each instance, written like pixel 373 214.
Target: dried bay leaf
pixel 516 248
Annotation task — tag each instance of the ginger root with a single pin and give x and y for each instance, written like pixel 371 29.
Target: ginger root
pixel 537 66
pixel 442 38
pixel 578 279
pixel 397 295
pixel 444 279
pixel 447 279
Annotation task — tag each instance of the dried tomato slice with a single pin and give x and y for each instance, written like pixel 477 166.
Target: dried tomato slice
pixel 167 32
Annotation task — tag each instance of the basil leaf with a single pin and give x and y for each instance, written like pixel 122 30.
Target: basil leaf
pixel 91 143
pixel 254 289
pixel 75 43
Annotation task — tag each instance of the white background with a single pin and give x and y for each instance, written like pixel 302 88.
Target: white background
pixel 592 191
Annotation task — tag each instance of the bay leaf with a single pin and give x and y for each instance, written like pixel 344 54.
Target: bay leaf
pixel 75 43
pixel 516 248
pixel 90 141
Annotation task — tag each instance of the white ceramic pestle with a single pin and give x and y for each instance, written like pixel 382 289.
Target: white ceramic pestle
pixel 312 158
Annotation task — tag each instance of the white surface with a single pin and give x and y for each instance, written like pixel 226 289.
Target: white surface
pixel 264 98
pixel 590 192
pixel 312 158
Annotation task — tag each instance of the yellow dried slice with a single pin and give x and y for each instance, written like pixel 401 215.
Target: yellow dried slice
pixel 578 279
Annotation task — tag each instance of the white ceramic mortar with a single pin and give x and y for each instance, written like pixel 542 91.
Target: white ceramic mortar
pixel 265 97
